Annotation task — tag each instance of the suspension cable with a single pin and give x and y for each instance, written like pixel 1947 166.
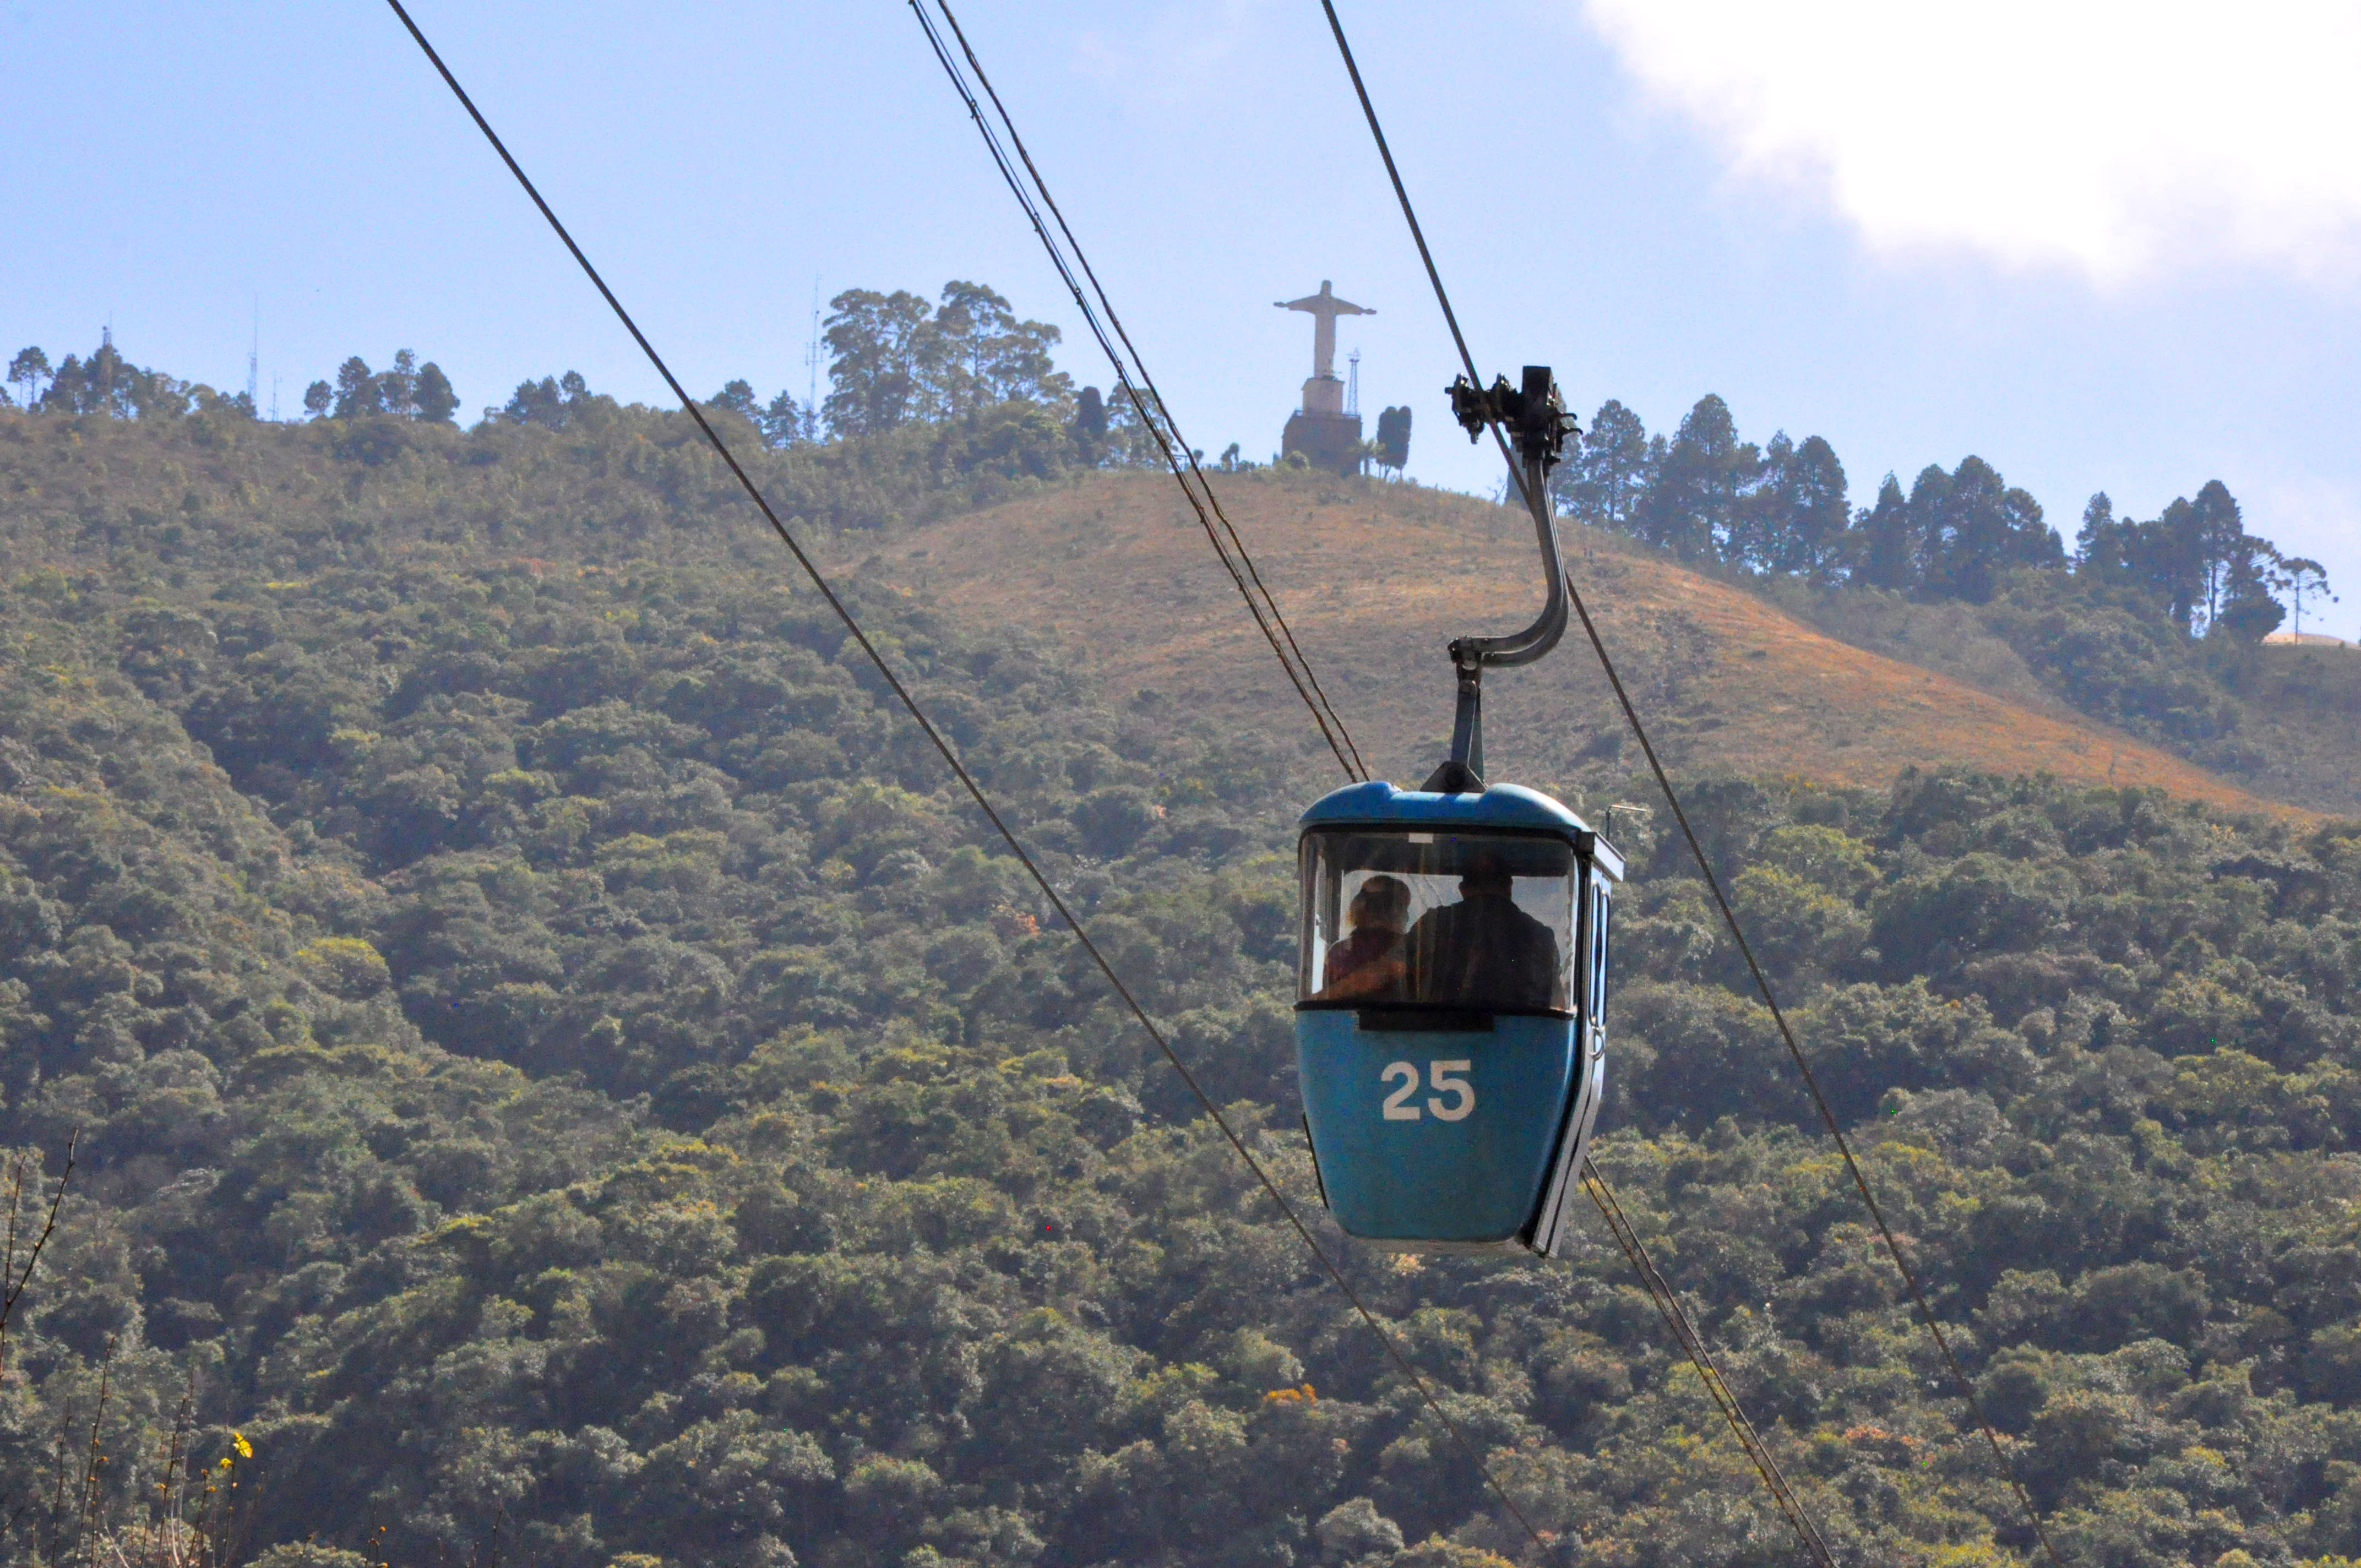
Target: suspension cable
pixel 1684 1334
pixel 1925 1309
pixel 975 790
pixel 1204 483
pixel 1602 1193
pixel 1139 386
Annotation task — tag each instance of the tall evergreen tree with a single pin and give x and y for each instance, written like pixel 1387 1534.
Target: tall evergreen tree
pixel 26 371
pixel 785 421
pixel 436 402
pixel 1757 538
pixel 2221 543
pixel 1693 506
pixel 1888 546
pixel 1602 485
pixel 2099 546
pixel 2305 582
pixel 2168 557
pixel 1819 510
pixel 397 387
pixel 358 391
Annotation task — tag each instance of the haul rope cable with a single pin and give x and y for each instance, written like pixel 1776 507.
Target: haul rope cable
pixel 1204 484
pixel 1697 850
pixel 1659 1291
pixel 1602 1194
pixel 1159 420
pixel 959 770
pixel 1684 1334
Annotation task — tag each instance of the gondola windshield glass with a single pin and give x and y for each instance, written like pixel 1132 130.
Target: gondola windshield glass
pixel 1479 921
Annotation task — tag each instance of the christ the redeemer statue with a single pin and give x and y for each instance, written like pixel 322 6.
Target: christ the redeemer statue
pixel 1324 308
pixel 1327 436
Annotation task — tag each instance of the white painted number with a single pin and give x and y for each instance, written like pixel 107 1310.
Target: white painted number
pixel 1442 1076
pixel 1396 1110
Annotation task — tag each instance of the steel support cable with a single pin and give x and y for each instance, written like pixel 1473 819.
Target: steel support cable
pixel 1602 1193
pixel 1925 1309
pixel 1156 419
pixel 1697 850
pixel 1667 1304
pixel 1356 768
pixel 968 781
pixel 1116 321
pixel 1684 1334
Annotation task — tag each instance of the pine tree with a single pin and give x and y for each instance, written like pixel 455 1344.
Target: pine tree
pixel 1889 541
pixel 2099 546
pixel 1693 506
pixel 435 402
pixel 358 391
pixel 1819 510
pixel 2305 581
pixel 2220 538
pixel 28 370
pixel 2168 558
pixel 1603 484
pixel 397 387
pixel 784 422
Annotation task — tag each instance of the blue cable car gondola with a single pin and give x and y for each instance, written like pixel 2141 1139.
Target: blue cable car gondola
pixel 1449 1027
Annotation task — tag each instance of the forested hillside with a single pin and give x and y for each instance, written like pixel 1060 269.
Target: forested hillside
pixel 2154 627
pixel 560 1077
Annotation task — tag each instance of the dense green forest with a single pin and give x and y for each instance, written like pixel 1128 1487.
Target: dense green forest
pixel 562 1078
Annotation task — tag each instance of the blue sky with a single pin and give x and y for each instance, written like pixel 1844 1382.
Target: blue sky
pixel 1921 231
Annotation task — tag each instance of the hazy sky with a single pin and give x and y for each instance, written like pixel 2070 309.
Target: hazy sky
pixel 2103 246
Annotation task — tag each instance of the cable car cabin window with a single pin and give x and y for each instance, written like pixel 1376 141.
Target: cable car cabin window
pixel 1483 922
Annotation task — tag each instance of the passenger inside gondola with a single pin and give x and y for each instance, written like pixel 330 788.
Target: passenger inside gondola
pixel 1484 952
pixel 1367 964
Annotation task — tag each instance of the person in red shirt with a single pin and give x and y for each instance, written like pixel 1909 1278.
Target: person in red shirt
pixel 1368 963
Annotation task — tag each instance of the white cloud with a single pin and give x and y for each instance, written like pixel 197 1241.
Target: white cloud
pixel 2119 139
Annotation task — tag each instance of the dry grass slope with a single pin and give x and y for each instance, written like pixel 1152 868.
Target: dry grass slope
pixel 1375 578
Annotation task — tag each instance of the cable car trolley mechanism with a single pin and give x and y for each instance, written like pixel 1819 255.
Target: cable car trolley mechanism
pixel 1449 1031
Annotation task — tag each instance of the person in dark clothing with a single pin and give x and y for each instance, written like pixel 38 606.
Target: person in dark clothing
pixel 1368 965
pixel 1484 952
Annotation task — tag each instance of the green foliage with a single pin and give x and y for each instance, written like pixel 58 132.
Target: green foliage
pixel 564 1075
pixel 2150 625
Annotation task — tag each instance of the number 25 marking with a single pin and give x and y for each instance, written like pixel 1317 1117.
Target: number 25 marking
pixel 1443 1077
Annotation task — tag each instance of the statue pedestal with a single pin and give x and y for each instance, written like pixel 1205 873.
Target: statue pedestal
pixel 1328 437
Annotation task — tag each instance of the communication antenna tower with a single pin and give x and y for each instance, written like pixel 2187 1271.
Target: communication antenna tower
pixel 1353 383
pixel 811 357
pixel 254 359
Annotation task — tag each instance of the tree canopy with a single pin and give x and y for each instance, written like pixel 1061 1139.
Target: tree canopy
pixel 562 1074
